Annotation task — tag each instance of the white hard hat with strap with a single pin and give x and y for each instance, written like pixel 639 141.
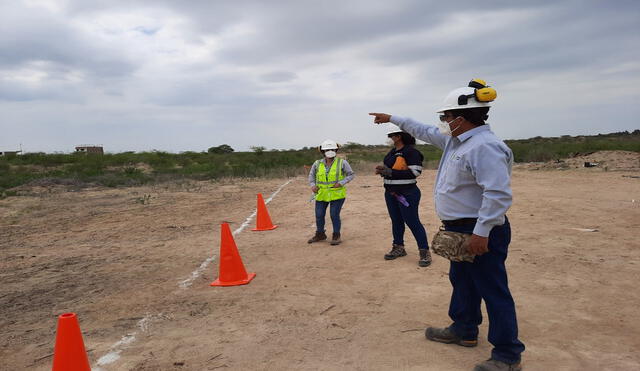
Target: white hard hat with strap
pixel 476 94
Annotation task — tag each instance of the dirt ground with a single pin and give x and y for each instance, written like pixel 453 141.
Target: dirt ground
pixel 604 160
pixel 117 258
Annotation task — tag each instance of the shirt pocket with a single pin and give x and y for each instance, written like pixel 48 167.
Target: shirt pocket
pixel 458 172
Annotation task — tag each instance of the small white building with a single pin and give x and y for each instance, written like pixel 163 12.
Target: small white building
pixel 9 153
pixel 94 149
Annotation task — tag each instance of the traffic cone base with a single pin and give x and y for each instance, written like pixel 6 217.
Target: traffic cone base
pixel 250 276
pixel 69 353
pixel 263 220
pixel 265 228
pixel 231 269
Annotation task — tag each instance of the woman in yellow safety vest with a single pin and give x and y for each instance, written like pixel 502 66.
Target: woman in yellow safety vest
pixel 327 179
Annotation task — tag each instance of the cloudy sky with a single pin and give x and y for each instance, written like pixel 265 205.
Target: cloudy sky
pixel 188 75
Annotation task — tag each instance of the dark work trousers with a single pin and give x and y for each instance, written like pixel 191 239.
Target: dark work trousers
pixel 401 214
pixel 486 278
pixel 334 211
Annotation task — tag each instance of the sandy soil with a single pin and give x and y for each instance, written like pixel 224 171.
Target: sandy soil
pixel 116 257
pixel 597 161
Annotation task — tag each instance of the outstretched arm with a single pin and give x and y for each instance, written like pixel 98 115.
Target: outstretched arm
pixel 427 133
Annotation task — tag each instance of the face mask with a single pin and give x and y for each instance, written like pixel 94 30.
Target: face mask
pixel 330 154
pixel 445 129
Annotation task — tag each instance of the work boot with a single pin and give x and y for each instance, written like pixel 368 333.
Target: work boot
pixel 320 236
pixel 446 335
pixel 495 365
pixel 335 239
pixel 396 252
pixel 425 258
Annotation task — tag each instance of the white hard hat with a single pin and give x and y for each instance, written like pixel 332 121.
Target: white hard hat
pixel 452 100
pixel 328 144
pixel 476 94
pixel 391 128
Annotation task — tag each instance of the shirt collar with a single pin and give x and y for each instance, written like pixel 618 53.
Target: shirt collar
pixel 468 134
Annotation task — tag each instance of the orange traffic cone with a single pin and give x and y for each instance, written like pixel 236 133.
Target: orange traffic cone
pixel 69 353
pixel 263 221
pixel 232 272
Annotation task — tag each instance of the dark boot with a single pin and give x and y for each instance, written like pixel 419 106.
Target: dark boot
pixel 425 258
pixel 495 365
pixel 396 252
pixel 335 239
pixel 319 236
pixel 447 336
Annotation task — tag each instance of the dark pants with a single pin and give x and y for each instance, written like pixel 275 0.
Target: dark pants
pixel 401 215
pixel 334 211
pixel 486 278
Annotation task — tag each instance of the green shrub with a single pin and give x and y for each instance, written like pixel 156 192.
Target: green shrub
pixel 120 169
pixel 4 167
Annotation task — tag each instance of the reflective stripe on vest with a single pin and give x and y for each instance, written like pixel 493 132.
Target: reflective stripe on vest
pixel 325 181
pixel 400 181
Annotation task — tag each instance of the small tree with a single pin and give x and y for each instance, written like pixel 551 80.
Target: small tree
pixel 258 149
pixel 353 145
pixel 223 148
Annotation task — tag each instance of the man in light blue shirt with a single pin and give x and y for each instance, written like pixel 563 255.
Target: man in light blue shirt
pixel 472 195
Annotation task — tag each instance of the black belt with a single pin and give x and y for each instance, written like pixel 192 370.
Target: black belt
pixel 459 222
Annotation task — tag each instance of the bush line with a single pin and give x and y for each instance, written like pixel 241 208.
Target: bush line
pixel 130 168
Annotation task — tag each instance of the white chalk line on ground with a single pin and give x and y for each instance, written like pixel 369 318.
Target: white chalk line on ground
pixel 195 274
pixel 117 348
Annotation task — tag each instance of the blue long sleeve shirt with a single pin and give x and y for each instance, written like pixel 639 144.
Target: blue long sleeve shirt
pixel 474 175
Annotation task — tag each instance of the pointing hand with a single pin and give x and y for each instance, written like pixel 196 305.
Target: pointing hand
pixel 380 118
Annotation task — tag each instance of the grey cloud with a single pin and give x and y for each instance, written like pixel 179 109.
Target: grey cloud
pixel 12 91
pixel 300 31
pixel 253 66
pixel 21 93
pixel 279 76
pixel 560 36
pixel 230 94
pixel 28 35
pixel 147 30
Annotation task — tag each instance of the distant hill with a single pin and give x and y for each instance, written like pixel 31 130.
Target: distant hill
pixel 539 149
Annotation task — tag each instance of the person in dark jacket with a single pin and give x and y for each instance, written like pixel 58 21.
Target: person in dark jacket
pixel 400 168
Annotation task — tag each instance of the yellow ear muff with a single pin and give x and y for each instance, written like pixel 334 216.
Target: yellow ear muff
pixel 482 92
pixel 486 94
pixel 477 84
